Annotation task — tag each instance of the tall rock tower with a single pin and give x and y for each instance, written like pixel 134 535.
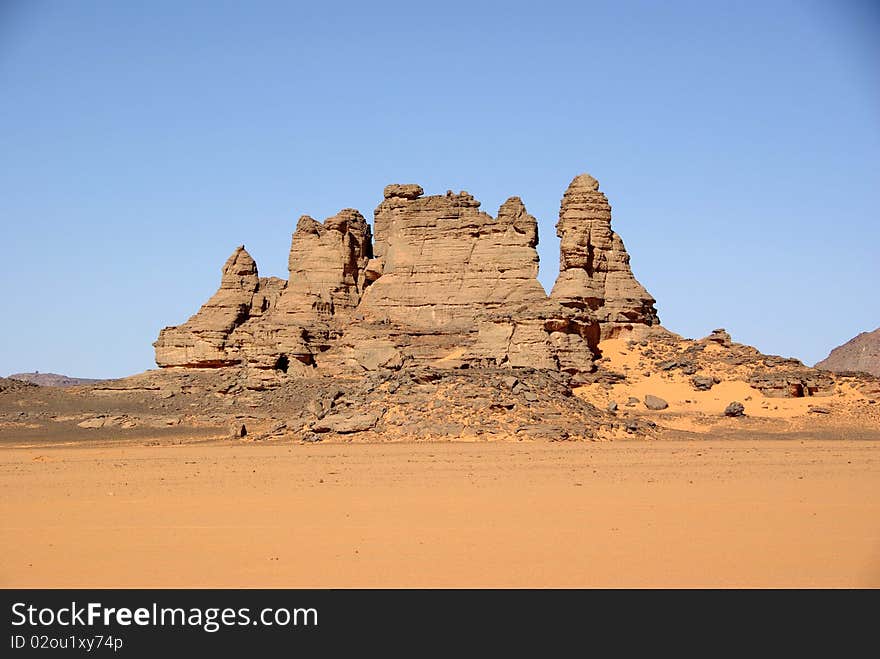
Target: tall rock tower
pixel 594 271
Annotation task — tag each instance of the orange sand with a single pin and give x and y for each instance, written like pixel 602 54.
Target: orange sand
pixel 627 513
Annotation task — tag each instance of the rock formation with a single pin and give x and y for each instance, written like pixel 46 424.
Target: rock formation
pixel 444 285
pixel 204 340
pixel 594 271
pixel 440 261
pixel 439 329
pixel 860 354
pixel 326 265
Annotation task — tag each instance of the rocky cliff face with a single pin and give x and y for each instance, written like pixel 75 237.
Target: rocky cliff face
pixel 443 285
pixel 594 271
pixel 860 354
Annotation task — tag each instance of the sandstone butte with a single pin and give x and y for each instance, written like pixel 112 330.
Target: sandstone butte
pixel 435 329
pixel 432 325
pixel 441 284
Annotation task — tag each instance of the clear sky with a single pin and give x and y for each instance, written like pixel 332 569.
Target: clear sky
pixel 140 142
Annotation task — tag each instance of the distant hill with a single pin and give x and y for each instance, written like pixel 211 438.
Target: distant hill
pixel 51 379
pixel 859 354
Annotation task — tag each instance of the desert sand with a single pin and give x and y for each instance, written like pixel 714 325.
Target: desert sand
pixel 630 513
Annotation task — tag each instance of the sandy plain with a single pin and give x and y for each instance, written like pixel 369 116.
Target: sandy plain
pixel 734 512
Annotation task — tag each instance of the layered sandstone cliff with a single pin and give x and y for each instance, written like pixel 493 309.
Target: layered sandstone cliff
pixel 440 261
pixel 443 284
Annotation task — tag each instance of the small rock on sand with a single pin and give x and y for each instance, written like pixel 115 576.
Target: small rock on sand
pixel 735 409
pixel 655 403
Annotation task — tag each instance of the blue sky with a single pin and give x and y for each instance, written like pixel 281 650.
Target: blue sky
pixel 738 143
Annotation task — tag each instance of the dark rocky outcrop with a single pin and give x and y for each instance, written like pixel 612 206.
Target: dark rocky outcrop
pixel 52 379
pixel 858 355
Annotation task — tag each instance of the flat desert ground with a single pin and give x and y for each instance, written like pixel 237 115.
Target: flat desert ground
pixel 639 513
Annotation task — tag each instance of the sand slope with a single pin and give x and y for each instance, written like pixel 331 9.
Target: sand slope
pixel 848 412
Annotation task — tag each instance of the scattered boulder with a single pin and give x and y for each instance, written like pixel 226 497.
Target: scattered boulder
pixel 735 409
pixel 378 354
pixel 688 368
pixel 96 422
pixel 403 191
pixel 703 382
pixel 346 422
pixel 655 403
